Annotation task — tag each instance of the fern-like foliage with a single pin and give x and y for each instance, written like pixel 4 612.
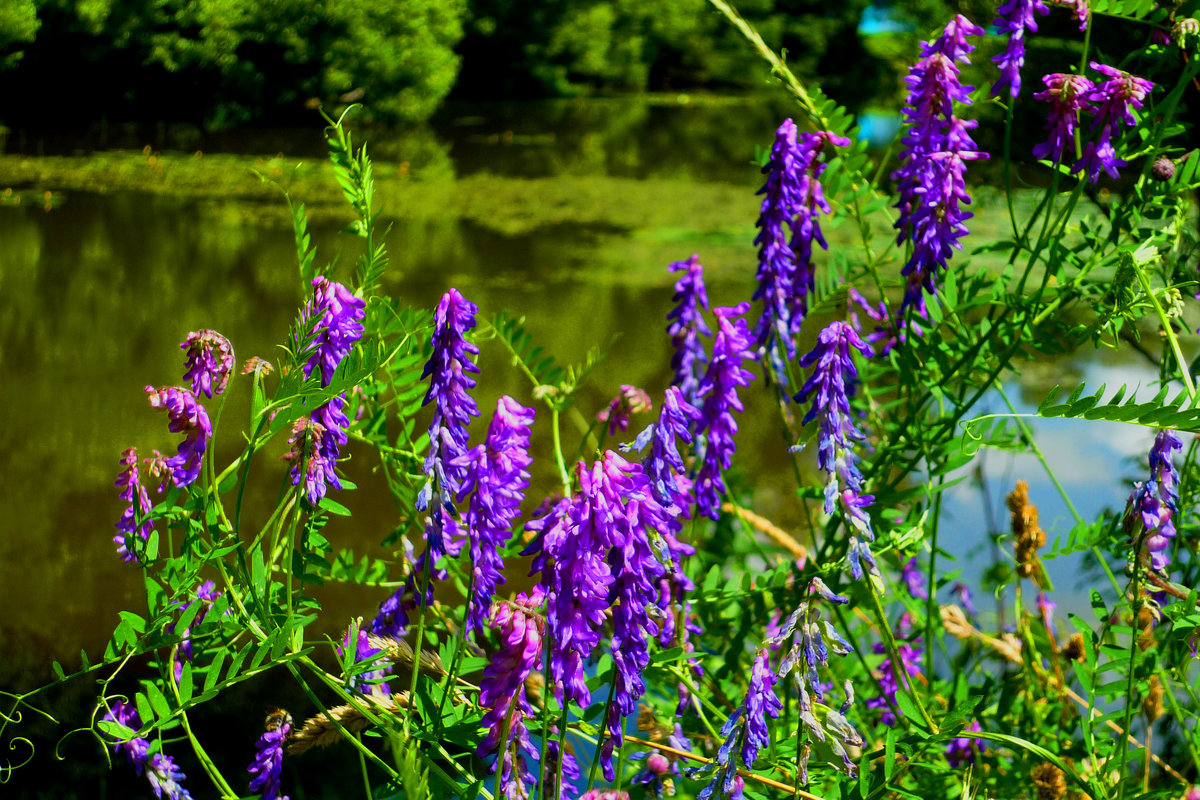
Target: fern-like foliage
pixel 1158 412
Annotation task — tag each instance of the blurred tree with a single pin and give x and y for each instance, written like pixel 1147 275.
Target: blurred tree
pixel 18 24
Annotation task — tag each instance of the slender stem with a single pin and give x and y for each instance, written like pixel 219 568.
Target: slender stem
pixel 889 640
pixel 1172 339
pixel 558 452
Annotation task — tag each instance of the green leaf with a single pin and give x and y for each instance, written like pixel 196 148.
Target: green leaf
pixel 158 701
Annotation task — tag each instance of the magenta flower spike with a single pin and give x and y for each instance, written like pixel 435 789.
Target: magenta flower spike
pixel 1016 19
pixel 686 326
pixel 731 348
pixel 185 415
pixel 209 362
pixel 133 493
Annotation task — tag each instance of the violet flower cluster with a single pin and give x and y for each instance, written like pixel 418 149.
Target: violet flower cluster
pixel 792 199
pixel 659 773
pixel 812 639
pixel 133 493
pixel 686 325
pixel 631 400
pixel 593 552
pixel 1015 20
pixel 962 750
pixel 718 389
pixel 184 415
pixel 889 677
pixel 371 681
pixel 267 768
pixel 206 595
pixel 1156 501
pixel 209 361
pixel 931 179
pixel 329 325
pixel 520 628
pixel 498 471
pixel 1111 102
pixel 165 778
pixel 829 389
pixel 748 727
pixel 914 581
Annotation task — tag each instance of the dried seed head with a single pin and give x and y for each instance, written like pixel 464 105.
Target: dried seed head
pixel 1074 648
pixel 326 728
pixel 1048 781
pixel 1027 534
pixel 1152 703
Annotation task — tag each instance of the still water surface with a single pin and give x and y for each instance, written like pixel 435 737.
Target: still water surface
pixel 96 294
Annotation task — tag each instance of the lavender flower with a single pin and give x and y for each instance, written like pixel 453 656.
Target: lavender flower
pixel 160 769
pixel 963 749
pixel 889 677
pixel 963 594
pixel 686 325
pixel 206 595
pixel 447 369
pixel 914 580
pixel 829 388
pixel 1157 500
pixel 392 618
pixel 308 463
pixel 936 147
pixel 209 361
pixel 1113 103
pixel 658 774
pixel 719 389
pixel 793 196
pixel 502 691
pixel 331 417
pixel 748 725
pixel 631 400
pixel 267 768
pixel 1046 608
pixel 1016 18
pixel 498 471
pixel 131 488
pixel 332 317
pixel 188 417
pixel 370 681
pixel 1067 96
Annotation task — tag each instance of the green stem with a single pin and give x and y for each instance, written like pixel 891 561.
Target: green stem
pixel 558 452
pixel 894 654
pixel 1172 339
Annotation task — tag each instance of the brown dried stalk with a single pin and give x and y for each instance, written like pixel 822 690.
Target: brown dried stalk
pixel 327 727
pixel 776 534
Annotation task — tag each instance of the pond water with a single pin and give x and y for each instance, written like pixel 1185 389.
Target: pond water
pixel 98 290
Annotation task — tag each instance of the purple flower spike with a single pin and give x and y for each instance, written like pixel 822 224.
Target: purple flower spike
pixel 792 200
pixel 829 389
pixel 206 595
pixel 133 493
pixel 1157 500
pixel 963 594
pixel 267 768
pixel 631 400
pixel 188 417
pixel 1016 18
pixel 889 678
pixel 930 182
pixel 665 465
pixel 159 769
pixel 520 628
pixel 1113 103
pixel 719 391
pixel 962 750
pixel 1067 96
pixel 209 361
pixel 686 325
pixel 761 702
pixel 498 471
pixel 449 381
pixel 334 315
pixel 914 580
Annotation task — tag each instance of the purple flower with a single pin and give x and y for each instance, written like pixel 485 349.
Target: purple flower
pixel 519 626
pixel 829 388
pixel 268 758
pixel 1113 103
pixel 665 465
pixel 188 417
pixel 631 400
pixel 686 325
pixel 308 464
pixel 659 769
pixel 792 199
pixel 370 681
pixel 332 317
pixel 447 369
pixel 747 726
pixel 131 488
pixel 392 618
pixel 1157 500
pixel 889 678
pixel 593 551
pixel 963 594
pixel 963 749
pixel 719 390
pixel 160 769
pixel 1067 96
pixel 498 471
pixel 930 182
pixel 206 595
pixel 1016 18
pixel 209 361
pixel 914 580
